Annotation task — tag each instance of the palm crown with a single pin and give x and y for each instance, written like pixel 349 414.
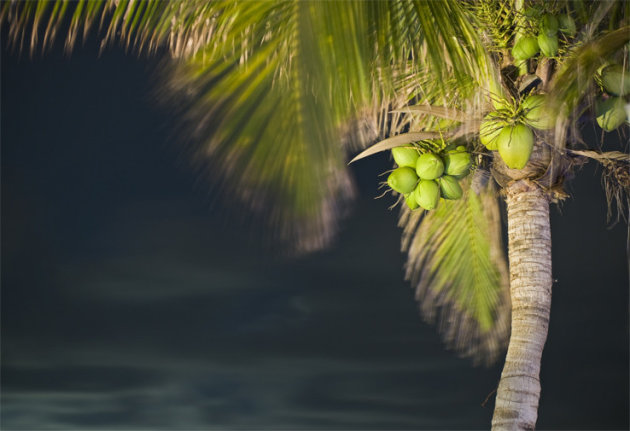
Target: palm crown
pixel 275 95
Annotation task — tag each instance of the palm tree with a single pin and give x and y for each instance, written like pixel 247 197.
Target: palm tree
pixel 276 94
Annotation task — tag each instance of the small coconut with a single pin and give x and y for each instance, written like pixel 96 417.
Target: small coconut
pixel 566 24
pixel 549 24
pixel 615 80
pixel 427 194
pixel 611 113
pixel 515 145
pixel 410 199
pixel 405 156
pixel 403 180
pixel 489 130
pixel 535 111
pixel 456 162
pixel 450 188
pixel 525 48
pixel 548 44
pixel 429 166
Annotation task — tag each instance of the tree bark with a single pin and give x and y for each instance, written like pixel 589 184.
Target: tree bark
pixel 529 243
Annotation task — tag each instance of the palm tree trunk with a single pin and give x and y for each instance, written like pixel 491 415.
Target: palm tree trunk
pixel 529 242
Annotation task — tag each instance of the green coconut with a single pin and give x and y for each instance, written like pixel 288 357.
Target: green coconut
pixel 456 162
pixel 427 194
pixel 611 113
pixel 536 114
pixel 615 80
pixel 403 180
pixel 450 188
pixel 525 48
pixel 410 199
pixel 405 156
pixel 489 130
pixel 566 24
pixel 548 44
pixel 549 24
pixel 515 145
pixel 429 166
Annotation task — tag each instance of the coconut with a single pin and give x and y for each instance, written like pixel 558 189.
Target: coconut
pixel 456 162
pixel 515 145
pixel 535 113
pixel 450 188
pixel 403 180
pixel 548 44
pixel 566 24
pixel 525 48
pixel 611 113
pixel 615 80
pixel 410 199
pixel 405 156
pixel 427 194
pixel 549 24
pixel 489 130
pixel 429 166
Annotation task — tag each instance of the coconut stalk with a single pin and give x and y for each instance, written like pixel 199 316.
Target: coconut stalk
pixel 529 239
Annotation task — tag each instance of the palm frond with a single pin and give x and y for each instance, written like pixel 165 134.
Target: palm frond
pixel 266 124
pixel 457 265
pixel 144 25
pixel 275 83
pixel 395 141
pixel 497 19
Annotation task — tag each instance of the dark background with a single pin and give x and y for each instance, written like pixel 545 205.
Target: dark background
pixel 133 298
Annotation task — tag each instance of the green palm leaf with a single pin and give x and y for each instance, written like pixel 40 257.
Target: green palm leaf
pixel 263 118
pixel 456 264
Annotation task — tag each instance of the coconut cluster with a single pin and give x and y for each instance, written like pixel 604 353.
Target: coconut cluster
pixel 510 131
pixel 610 109
pixel 423 177
pixel 545 40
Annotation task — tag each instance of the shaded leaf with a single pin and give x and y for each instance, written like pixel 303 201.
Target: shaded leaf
pixel 395 141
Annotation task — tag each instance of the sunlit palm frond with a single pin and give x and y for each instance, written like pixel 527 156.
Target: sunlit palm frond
pixel 457 265
pixel 145 25
pixel 263 116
